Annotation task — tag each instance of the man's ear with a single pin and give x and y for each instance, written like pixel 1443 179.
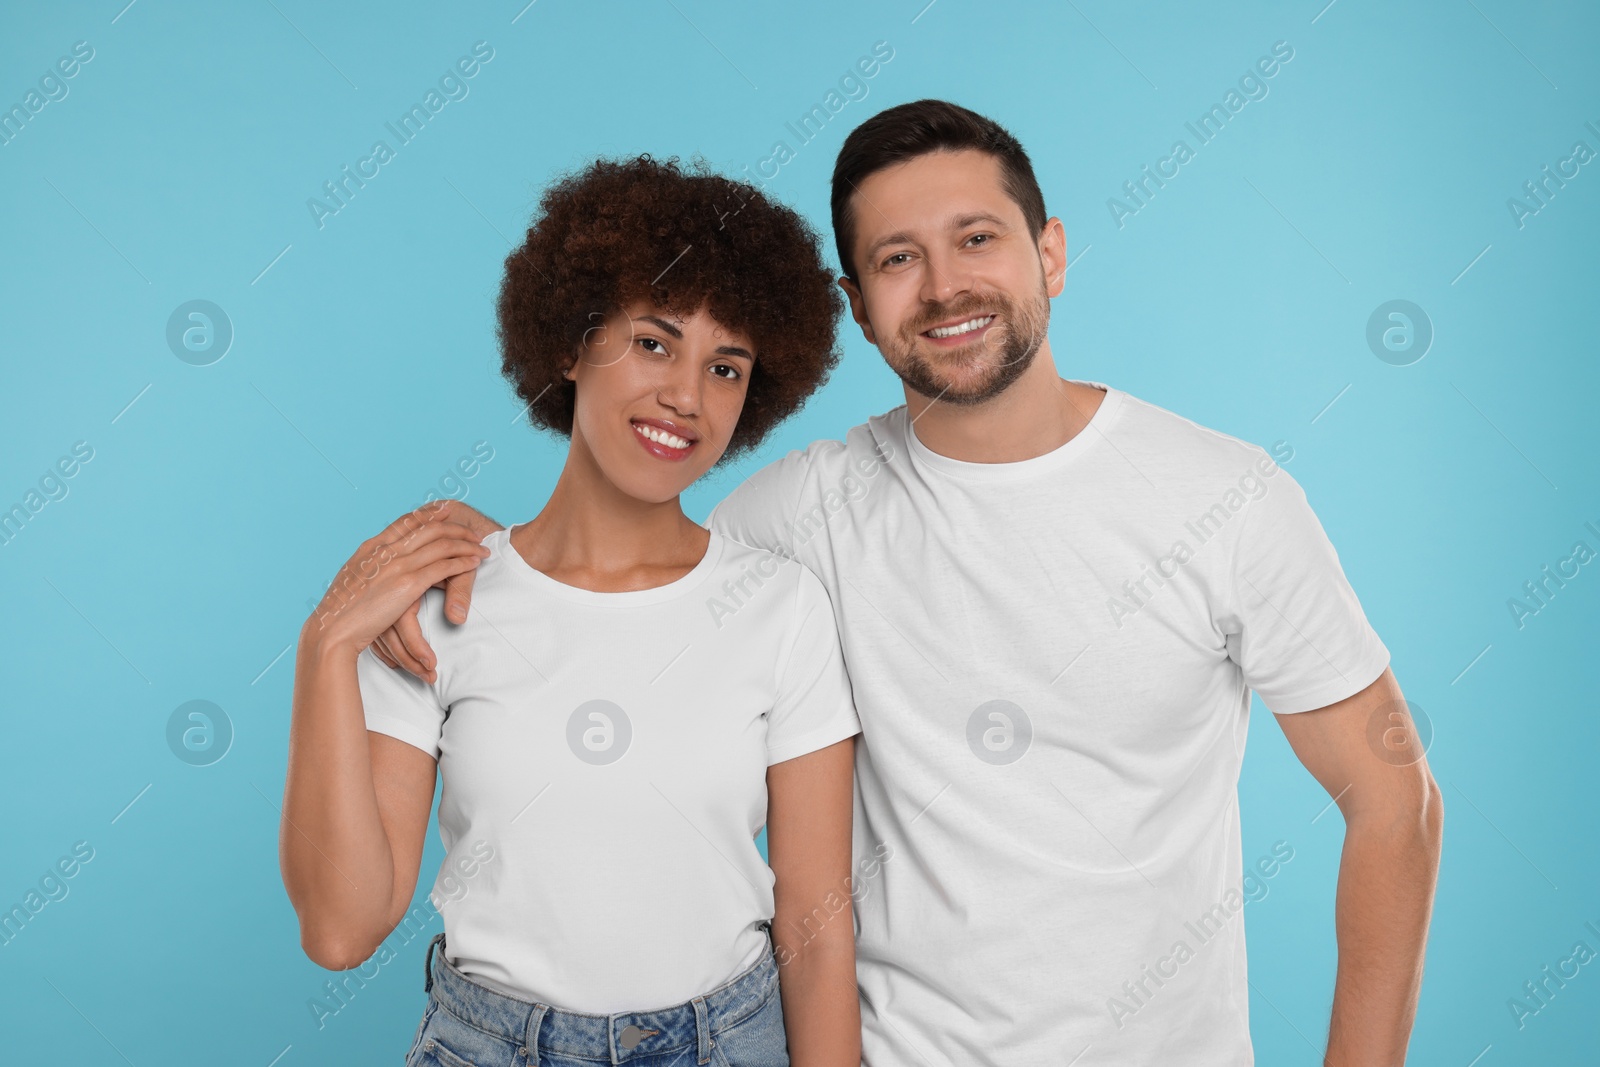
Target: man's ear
pixel 858 309
pixel 1053 256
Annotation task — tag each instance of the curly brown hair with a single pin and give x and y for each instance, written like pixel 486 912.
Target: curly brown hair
pixel 618 231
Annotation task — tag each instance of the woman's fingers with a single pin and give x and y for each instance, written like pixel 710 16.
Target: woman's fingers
pixel 374 599
pixel 379 650
pixel 402 645
pixel 434 573
pixel 407 633
pixel 449 534
pixel 409 522
pixel 396 562
pixel 407 540
pixel 404 658
pixel 458 595
pixel 456 511
pixel 441 518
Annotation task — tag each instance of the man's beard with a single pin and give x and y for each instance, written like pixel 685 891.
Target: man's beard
pixel 1021 328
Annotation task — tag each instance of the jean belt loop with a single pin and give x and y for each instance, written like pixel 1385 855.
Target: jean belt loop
pixel 702 1026
pixel 530 1034
pixel 427 963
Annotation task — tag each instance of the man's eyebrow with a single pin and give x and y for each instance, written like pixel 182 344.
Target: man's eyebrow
pixel 961 222
pixel 881 243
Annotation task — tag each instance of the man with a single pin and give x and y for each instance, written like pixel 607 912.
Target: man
pixel 1055 600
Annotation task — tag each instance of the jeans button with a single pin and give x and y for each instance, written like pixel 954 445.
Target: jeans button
pixel 632 1035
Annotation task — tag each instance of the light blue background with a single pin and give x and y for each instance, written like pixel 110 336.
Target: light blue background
pixel 181 563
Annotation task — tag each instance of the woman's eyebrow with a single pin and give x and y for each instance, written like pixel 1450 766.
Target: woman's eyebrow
pixel 662 324
pixel 669 328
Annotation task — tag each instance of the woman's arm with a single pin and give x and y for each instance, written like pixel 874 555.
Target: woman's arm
pixel 356 804
pixel 809 806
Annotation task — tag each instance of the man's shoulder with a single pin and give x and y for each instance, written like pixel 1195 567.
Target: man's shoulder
pixel 763 508
pixel 878 435
pixel 879 439
pixel 787 588
pixel 1187 448
pixel 739 557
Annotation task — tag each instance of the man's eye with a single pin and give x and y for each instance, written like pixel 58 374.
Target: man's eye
pixel 980 238
pixel 897 259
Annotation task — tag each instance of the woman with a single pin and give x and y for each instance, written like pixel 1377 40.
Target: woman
pixel 633 695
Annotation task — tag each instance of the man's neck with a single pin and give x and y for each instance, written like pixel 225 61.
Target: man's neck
pixel 1039 413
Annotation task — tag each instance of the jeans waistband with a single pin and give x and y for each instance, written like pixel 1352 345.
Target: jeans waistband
pixel 614 1038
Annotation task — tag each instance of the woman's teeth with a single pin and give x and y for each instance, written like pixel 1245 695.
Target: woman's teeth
pixel 660 436
pixel 966 327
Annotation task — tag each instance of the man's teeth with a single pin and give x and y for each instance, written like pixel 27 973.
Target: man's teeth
pixel 966 327
pixel 661 436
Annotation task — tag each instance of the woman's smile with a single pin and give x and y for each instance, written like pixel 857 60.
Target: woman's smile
pixel 664 438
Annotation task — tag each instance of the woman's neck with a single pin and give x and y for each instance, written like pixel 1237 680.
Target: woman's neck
pixel 592 535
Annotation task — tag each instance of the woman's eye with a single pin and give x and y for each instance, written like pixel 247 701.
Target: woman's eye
pixel 651 345
pixel 732 372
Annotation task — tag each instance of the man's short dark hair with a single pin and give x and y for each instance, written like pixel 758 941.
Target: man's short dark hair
pixel 907 131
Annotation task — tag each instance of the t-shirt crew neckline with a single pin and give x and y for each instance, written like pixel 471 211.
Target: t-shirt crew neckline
pixel 1023 469
pixel 627 599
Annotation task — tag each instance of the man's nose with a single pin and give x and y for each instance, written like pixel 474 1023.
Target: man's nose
pixel 944 277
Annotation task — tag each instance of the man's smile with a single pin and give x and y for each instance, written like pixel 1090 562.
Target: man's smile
pixel 960 331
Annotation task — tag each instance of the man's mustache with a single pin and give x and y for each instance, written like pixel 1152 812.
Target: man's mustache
pixel 966 307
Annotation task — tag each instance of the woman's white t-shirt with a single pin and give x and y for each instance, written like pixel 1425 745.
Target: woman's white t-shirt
pixel 604 762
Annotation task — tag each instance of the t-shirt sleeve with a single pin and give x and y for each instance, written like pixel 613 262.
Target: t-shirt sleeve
pixel 814 707
pixel 1295 626
pixel 398 703
pixel 760 512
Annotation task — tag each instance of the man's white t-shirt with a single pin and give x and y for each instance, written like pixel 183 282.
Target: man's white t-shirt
pixel 604 761
pixel 1052 660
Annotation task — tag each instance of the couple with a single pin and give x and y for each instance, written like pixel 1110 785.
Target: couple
pixel 1053 601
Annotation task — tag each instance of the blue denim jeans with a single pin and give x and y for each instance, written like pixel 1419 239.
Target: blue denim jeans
pixel 738 1024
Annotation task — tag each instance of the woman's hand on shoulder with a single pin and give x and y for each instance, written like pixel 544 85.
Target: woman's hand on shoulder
pixel 387 575
pixel 402 645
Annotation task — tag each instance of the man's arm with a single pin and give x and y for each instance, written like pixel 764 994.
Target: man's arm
pixel 402 645
pixel 1366 753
